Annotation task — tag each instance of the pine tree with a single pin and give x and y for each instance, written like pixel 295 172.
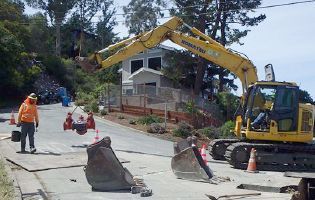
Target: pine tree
pixel 225 21
pixel 141 15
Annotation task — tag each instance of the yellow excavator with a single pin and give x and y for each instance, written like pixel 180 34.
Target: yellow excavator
pixel 270 118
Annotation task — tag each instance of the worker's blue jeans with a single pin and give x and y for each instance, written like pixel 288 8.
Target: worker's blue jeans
pixel 27 128
pixel 259 119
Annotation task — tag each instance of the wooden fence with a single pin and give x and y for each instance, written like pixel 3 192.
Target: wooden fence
pixel 172 116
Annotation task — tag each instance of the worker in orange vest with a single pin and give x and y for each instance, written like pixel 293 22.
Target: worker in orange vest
pixel 27 115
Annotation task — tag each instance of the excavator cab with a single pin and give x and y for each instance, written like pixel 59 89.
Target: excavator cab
pixel 271 108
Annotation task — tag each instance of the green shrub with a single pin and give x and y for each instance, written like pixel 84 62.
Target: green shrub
pixel 92 106
pixel 183 130
pixel 226 129
pixel 210 132
pixel 228 100
pixel 87 108
pixel 103 112
pixel 79 102
pixel 155 128
pixel 190 107
pixel 149 119
pixel 83 98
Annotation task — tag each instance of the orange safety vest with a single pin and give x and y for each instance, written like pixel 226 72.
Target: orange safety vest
pixel 28 112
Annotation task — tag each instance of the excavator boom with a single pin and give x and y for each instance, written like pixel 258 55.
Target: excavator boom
pixel 206 48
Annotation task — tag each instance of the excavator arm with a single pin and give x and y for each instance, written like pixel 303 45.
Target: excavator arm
pixel 205 47
pixel 130 47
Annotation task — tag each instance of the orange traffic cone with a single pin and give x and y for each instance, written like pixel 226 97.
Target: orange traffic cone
pixel 204 154
pixel 96 138
pixel 252 162
pixel 12 119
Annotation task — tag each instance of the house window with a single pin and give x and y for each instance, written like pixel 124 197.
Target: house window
pixel 135 65
pixel 151 84
pixel 155 63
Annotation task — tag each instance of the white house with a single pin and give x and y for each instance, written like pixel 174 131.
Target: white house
pixel 145 69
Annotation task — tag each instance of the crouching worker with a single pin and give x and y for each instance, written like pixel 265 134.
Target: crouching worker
pixel 27 115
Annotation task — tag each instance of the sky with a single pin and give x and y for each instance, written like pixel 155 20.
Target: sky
pixel 286 39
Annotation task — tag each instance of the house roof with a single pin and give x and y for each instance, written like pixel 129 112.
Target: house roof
pixel 127 82
pixel 166 47
pixel 144 69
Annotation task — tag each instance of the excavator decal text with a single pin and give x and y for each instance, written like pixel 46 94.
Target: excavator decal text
pixel 213 53
pixel 193 46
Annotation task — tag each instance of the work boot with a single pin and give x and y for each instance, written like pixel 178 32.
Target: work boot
pixel 22 151
pixel 33 150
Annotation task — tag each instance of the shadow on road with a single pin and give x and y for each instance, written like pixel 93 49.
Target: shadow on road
pixel 40 153
pixel 115 191
pixel 3 119
pixel 80 146
pixel 48 153
pixel 35 195
pixel 41 108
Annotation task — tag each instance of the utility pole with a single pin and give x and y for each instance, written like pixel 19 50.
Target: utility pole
pixel 121 92
pixel 108 98
pixel 165 114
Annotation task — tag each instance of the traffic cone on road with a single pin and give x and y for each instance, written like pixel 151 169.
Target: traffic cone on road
pixel 96 138
pixel 252 168
pixel 12 119
pixel 204 154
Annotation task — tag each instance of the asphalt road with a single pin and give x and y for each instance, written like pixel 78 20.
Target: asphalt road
pixel 52 137
pixel 149 158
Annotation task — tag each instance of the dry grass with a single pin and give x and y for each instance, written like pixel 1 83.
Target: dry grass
pixel 6 184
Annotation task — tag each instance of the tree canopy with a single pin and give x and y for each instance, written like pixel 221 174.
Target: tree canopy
pixel 27 44
pixel 142 15
pixel 225 21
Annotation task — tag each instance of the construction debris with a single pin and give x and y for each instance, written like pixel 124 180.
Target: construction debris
pixel 146 192
pixel 233 195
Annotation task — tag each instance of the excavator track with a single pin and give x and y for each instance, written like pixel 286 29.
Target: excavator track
pixel 218 147
pixel 273 157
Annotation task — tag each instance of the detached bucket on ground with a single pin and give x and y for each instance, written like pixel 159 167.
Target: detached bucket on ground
pixel 103 171
pixel 188 164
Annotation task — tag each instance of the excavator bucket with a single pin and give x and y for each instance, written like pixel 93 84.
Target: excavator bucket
pixel 184 144
pixel 188 164
pixel 103 171
pixel 86 64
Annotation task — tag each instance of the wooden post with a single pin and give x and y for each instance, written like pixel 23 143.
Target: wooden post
pixel 165 114
pixel 193 116
pixel 144 99
pixel 121 91
pixel 108 97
